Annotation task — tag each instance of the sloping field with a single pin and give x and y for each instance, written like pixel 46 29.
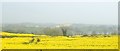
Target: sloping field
pixel 61 42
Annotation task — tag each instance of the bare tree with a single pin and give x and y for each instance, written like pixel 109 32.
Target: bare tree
pixel 64 28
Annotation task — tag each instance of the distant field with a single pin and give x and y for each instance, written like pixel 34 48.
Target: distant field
pixel 59 42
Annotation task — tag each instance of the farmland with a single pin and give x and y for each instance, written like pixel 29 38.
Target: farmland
pixel 21 41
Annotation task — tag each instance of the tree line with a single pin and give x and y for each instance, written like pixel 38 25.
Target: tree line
pixel 75 29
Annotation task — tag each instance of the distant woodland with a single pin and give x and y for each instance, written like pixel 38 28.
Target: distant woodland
pixel 57 29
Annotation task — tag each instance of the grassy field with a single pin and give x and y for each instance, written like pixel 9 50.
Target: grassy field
pixel 59 42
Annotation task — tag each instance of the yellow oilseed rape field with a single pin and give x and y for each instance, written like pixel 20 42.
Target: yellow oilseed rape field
pixel 59 42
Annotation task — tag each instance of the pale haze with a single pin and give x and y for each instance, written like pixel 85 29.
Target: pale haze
pixel 60 12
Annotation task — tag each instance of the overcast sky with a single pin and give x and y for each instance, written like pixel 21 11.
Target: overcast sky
pixel 60 12
pixel 60 0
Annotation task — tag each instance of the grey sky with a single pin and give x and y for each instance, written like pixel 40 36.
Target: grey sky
pixel 0 12
pixel 60 12
pixel 60 0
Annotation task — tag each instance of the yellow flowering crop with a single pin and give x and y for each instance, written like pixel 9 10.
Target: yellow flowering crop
pixel 59 42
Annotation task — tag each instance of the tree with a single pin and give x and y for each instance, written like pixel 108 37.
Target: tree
pixel 52 31
pixel 64 28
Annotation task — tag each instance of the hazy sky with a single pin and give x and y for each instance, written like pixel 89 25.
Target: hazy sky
pixel 60 12
pixel 60 0
pixel 0 12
